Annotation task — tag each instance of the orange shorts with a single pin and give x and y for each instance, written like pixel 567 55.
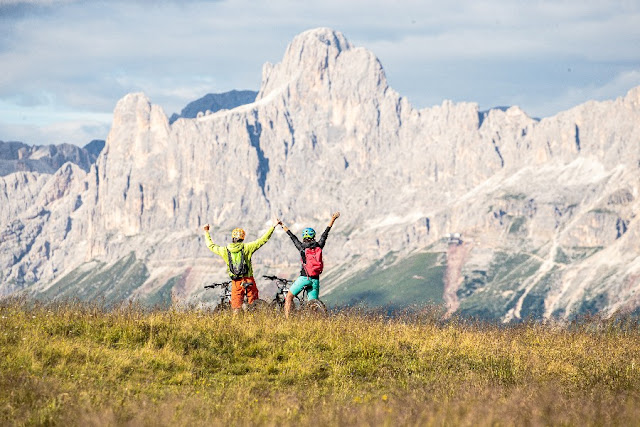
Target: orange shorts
pixel 237 292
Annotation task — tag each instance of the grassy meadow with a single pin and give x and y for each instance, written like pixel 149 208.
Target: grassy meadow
pixel 79 364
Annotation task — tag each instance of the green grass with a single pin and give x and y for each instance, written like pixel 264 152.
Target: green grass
pixel 113 283
pixel 78 364
pixel 602 211
pixel 488 294
pixel 571 254
pixel 416 279
pixel 162 297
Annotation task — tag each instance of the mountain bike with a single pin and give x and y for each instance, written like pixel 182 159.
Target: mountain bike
pixel 314 306
pixel 225 298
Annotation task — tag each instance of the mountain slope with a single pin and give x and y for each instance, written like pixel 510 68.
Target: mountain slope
pixel 547 208
pixel 213 102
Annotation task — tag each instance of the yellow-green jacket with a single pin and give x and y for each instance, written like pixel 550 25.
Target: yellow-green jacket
pixel 235 248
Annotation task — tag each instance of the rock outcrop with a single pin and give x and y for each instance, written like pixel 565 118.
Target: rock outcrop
pixel 547 208
pixel 213 102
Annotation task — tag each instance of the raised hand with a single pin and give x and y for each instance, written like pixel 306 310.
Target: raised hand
pixel 333 218
pixel 206 227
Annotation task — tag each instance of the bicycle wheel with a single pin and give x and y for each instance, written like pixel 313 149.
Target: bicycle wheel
pixel 222 307
pixel 276 306
pixel 315 307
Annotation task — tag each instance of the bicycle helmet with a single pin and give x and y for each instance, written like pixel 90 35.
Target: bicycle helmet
pixel 237 233
pixel 308 233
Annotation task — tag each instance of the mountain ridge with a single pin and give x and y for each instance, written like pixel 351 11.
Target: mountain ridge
pixel 19 157
pixel 526 194
pixel 213 102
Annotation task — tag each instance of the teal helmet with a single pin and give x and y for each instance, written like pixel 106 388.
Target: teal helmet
pixel 308 233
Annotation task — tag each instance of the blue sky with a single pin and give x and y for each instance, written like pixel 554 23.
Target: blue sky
pixel 65 63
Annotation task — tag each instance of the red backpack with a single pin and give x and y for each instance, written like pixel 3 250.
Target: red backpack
pixel 314 265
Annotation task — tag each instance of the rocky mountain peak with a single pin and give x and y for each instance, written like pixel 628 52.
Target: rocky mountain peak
pixel 133 107
pixel 334 41
pixel 321 60
pixel 133 117
pixel 633 96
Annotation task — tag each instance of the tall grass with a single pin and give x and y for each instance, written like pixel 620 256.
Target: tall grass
pixel 79 364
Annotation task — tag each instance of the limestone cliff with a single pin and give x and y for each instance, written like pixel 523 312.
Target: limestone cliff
pixel 546 208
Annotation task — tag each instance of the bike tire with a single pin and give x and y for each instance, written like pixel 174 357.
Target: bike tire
pixel 315 307
pixel 222 307
pixel 276 306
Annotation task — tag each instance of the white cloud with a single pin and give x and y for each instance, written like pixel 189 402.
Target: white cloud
pixel 78 132
pixel 48 125
pixel 619 86
pixel 82 56
pixel 34 2
pixel 573 96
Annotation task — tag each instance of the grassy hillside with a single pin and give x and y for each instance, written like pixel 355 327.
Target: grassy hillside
pixel 73 364
pixel 489 294
pixel 95 280
pixel 417 279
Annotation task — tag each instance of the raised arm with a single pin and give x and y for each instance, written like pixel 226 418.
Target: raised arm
pixel 325 234
pixel 216 249
pixel 333 218
pixel 251 247
pixel 293 237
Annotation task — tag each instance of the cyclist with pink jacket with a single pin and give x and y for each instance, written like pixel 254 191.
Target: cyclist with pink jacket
pixel 312 265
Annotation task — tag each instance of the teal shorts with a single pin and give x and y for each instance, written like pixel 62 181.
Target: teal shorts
pixel 303 281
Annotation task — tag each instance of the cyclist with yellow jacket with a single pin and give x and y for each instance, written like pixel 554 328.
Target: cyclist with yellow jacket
pixel 237 256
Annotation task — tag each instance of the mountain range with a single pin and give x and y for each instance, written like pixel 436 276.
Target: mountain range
pixel 493 213
pixel 46 159
pixel 214 102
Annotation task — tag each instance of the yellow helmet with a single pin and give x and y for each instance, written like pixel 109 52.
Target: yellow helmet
pixel 238 233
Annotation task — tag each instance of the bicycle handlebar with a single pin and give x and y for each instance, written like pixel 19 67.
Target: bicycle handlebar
pixel 276 278
pixel 215 285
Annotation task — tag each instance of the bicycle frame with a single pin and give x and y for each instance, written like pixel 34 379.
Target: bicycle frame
pixel 283 289
pixel 225 297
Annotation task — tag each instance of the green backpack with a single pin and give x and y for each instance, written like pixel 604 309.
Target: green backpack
pixel 240 271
